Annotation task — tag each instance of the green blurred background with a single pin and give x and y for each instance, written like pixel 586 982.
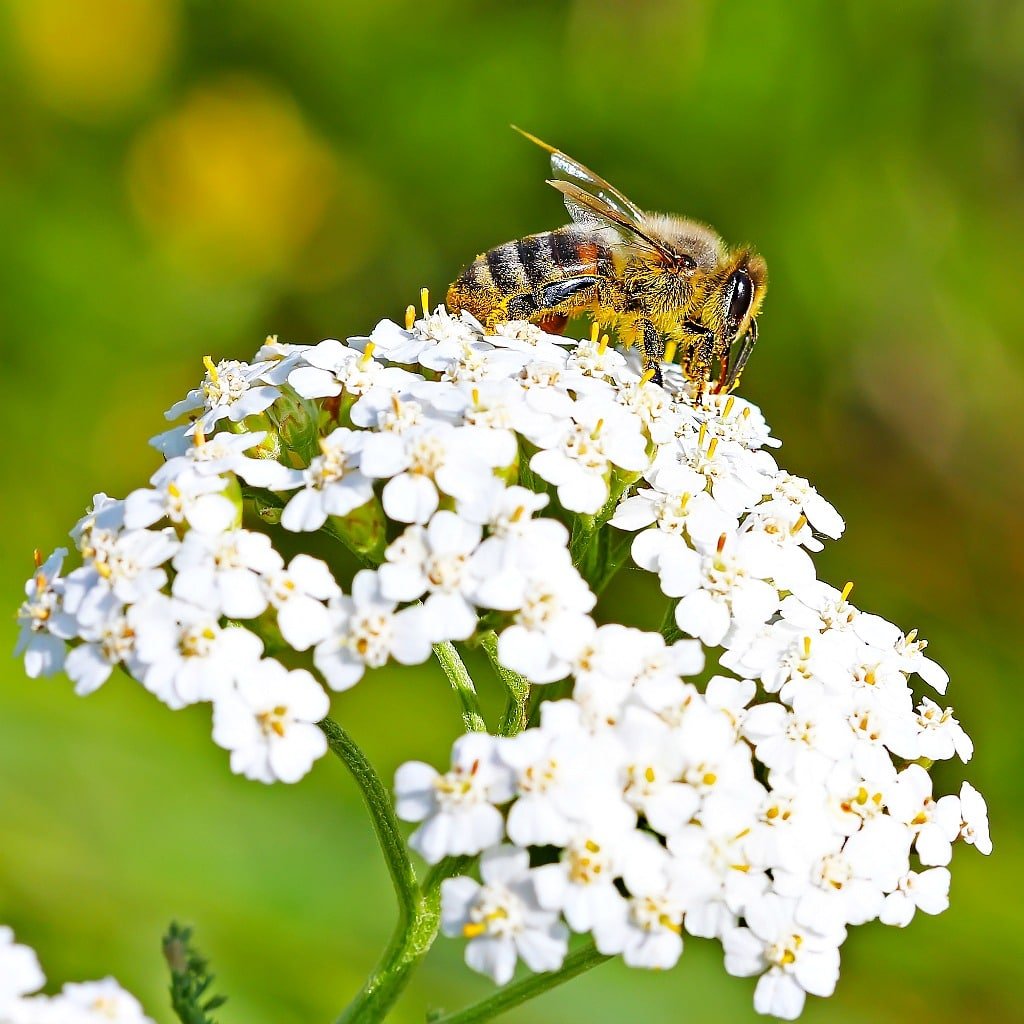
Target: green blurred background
pixel 181 177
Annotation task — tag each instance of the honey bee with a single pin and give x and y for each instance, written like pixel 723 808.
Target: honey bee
pixel 658 280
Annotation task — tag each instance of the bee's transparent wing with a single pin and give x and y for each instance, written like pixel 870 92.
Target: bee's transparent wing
pixel 572 171
pixel 591 212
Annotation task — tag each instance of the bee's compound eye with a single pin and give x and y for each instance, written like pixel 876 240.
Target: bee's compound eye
pixel 687 263
pixel 741 294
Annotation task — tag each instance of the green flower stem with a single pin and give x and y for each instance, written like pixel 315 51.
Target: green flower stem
pixel 669 630
pixel 382 813
pixel 462 684
pixel 517 709
pixel 513 995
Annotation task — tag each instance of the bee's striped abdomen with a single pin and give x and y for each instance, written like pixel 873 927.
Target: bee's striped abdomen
pixel 510 281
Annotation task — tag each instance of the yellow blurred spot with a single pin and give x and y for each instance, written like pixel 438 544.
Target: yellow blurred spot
pixel 94 60
pixel 233 182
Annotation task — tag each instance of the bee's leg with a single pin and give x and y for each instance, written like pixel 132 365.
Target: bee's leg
pixel 654 349
pixel 700 355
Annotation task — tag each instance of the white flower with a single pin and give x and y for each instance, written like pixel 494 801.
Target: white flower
pixel 186 655
pixel 101 1001
pixel 366 631
pixel 230 389
pixel 934 823
pixel 457 808
pixel 222 453
pixel 298 593
pixel 332 484
pixel 501 918
pixel 268 722
pixel 806 501
pixel 647 930
pixel 182 496
pixel 974 812
pixel 940 735
pixel 581 457
pixel 796 960
pixel 910 652
pixel 20 972
pixel 130 570
pixel 222 572
pixel 435 560
pixel 927 891
pixel 44 627
pixel 722 585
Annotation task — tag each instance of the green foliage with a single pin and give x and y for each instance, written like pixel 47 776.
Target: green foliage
pixel 190 978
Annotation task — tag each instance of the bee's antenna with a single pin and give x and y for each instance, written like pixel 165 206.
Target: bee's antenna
pixel 533 139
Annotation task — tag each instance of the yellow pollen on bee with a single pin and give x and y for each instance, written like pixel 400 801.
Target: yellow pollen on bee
pixel 596 432
pixel 367 354
pixel 728 407
pixel 603 347
pixel 798 525
pixel 211 369
pixel 595 330
pixel 410 316
pixel 473 930
pixel 425 300
pixel 846 591
pixel 648 375
pixel 670 352
pixel 712 447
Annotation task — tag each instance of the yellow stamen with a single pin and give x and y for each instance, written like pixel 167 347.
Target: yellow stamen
pixel 911 636
pixel 603 347
pixel 198 437
pixel 807 646
pixel 518 514
pixel 396 405
pixel 473 930
pixel 746 412
pixel 595 329
pixel 596 432
pixel 721 543
pixel 211 369
pixel 271 339
pixel 670 351
pixel 728 407
pixel 476 396
pixel 410 316
pixel 648 375
pixel 367 354
pixel 798 525
pixel 37 557
pixel 712 447
pixel 425 300
pixel 173 490
pixel 649 774
pixel 104 570
pixel 702 434
pixel 846 591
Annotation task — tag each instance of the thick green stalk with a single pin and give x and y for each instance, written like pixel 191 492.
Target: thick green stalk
pixel 513 995
pixel 382 814
pixel 462 684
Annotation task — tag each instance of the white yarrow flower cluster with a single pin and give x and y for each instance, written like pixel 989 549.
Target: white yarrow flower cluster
pixel 496 483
